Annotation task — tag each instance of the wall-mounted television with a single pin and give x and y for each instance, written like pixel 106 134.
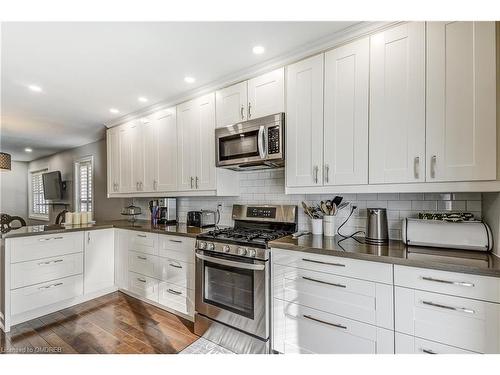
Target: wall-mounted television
pixel 52 185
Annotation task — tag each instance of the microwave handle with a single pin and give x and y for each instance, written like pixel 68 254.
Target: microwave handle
pixel 261 142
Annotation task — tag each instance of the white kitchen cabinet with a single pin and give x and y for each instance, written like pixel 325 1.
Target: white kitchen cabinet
pixel 150 149
pixel 346 114
pixel 405 344
pixel 266 94
pixel 99 260
pixel 186 134
pixel 113 159
pixel 121 258
pixel 125 136
pixel 397 105
pixel 461 101
pixel 137 152
pixel 304 122
pixel 231 104
pixel 166 163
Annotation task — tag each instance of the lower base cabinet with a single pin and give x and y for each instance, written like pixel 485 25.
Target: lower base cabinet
pixel 299 329
pixel 143 286
pixel 177 298
pixel 406 344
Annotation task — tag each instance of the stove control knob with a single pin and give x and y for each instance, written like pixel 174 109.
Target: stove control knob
pixel 242 251
pixel 210 246
pixel 226 248
pixel 251 253
pixel 202 245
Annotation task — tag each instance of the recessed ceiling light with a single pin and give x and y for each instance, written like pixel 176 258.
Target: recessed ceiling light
pixel 142 99
pixel 27 149
pixel 114 110
pixel 189 79
pixel 258 50
pixel 35 88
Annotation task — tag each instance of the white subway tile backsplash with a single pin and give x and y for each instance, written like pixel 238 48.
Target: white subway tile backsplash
pixel 268 187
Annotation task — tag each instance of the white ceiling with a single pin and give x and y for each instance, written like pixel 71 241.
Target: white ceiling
pixel 87 68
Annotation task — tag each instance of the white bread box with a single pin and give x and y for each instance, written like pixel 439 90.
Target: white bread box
pixel 465 235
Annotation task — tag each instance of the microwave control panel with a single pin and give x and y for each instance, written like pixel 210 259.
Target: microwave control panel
pixel 273 140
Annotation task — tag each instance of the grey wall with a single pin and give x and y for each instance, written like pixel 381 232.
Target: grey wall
pixel 14 190
pixel 104 208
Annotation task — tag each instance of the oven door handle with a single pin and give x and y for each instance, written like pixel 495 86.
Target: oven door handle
pixel 261 139
pixel 225 262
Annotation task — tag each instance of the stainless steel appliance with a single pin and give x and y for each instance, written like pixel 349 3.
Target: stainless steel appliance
pixel 233 277
pixel 164 209
pixel 201 219
pixel 376 226
pixel 254 144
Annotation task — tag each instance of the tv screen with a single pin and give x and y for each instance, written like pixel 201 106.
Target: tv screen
pixel 52 185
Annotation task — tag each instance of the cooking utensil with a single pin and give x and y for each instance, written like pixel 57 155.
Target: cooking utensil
pixel 337 200
pixel 324 208
pixel 307 210
pixel 342 205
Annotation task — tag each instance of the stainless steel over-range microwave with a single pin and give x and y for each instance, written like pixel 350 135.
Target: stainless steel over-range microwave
pixel 254 144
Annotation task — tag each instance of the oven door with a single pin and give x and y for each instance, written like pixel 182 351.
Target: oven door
pixel 233 291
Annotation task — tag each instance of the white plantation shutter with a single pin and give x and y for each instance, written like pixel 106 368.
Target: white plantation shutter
pixel 39 205
pixel 84 187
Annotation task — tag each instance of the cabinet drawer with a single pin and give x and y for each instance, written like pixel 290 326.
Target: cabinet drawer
pixel 177 298
pixel 42 270
pixel 144 264
pixel 299 329
pixel 143 286
pixel 465 323
pixel 361 300
pixel 143 242
pixel 177 272
pixel 360 269
pixel 453 283
pixel 44 294
pixel 177 247
pixel 45 246
pixel 413 345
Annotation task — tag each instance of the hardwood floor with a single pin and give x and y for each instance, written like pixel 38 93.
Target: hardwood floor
pixel 115 323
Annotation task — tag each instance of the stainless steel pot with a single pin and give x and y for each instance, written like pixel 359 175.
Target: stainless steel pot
pixel 376 226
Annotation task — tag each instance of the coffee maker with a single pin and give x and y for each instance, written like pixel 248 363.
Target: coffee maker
pixel 163 211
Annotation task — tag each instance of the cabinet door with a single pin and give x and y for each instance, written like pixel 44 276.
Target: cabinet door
pixel 397 105
pixel 125 144
pixel 187 139
pixel 150 151
pixel 99 272
pixel 204 127
pixel 346 114
pixel 304 128
pixel 461 101
pixel 166 165
pixel 121 258
pixel 137 147
pixel 266 94
pixel 231 104
pixel 113 156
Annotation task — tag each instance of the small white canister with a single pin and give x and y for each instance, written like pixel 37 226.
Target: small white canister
pixel 76 218
pixel 83 218
pixel 68 218
pixel 329 225
pixel 317 226
pixel 89 216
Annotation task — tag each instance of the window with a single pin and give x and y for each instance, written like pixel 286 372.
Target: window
pixel 39 209
pixel 84 196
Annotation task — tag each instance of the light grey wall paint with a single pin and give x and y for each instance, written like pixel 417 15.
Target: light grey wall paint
pixel 104 208
pixel 14 190
pixel 491 213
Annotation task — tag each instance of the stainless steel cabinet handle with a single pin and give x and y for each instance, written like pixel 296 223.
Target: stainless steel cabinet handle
pixel 196 182
pixel 175 265
pixel 137 185
pixel 249 110
pixel 231 263
pixel 315 173
pixel 50 262
pixel 177 241
pixel 192 180
pixel 324 282
pixel 459 283
pixel 433 166
pixel 88 237
pixel 242 114
pixel 321 262
pixel 141 257
pixel 142 235
pixel 171 291
pixel 322 321
pixel 155 184
pixel 141 280
pixel 51 238
pixel 428 351
pixel 327 170
pixel 416 168
pixel 459 309
pixel 50 286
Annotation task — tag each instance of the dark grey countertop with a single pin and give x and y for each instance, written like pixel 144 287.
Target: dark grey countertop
pixel 396 252
pixel 139 225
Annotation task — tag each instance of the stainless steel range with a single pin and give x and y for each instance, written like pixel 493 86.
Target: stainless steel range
pixel 233 277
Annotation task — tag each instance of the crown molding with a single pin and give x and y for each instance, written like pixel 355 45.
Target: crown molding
pixel 323 44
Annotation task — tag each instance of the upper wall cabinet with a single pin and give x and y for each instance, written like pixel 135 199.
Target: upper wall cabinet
pixel 461 101
pixel 397 105
pixel 346 114
pixel 261 96
pixel 304 122
pixel 113 159
pixel 166 164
